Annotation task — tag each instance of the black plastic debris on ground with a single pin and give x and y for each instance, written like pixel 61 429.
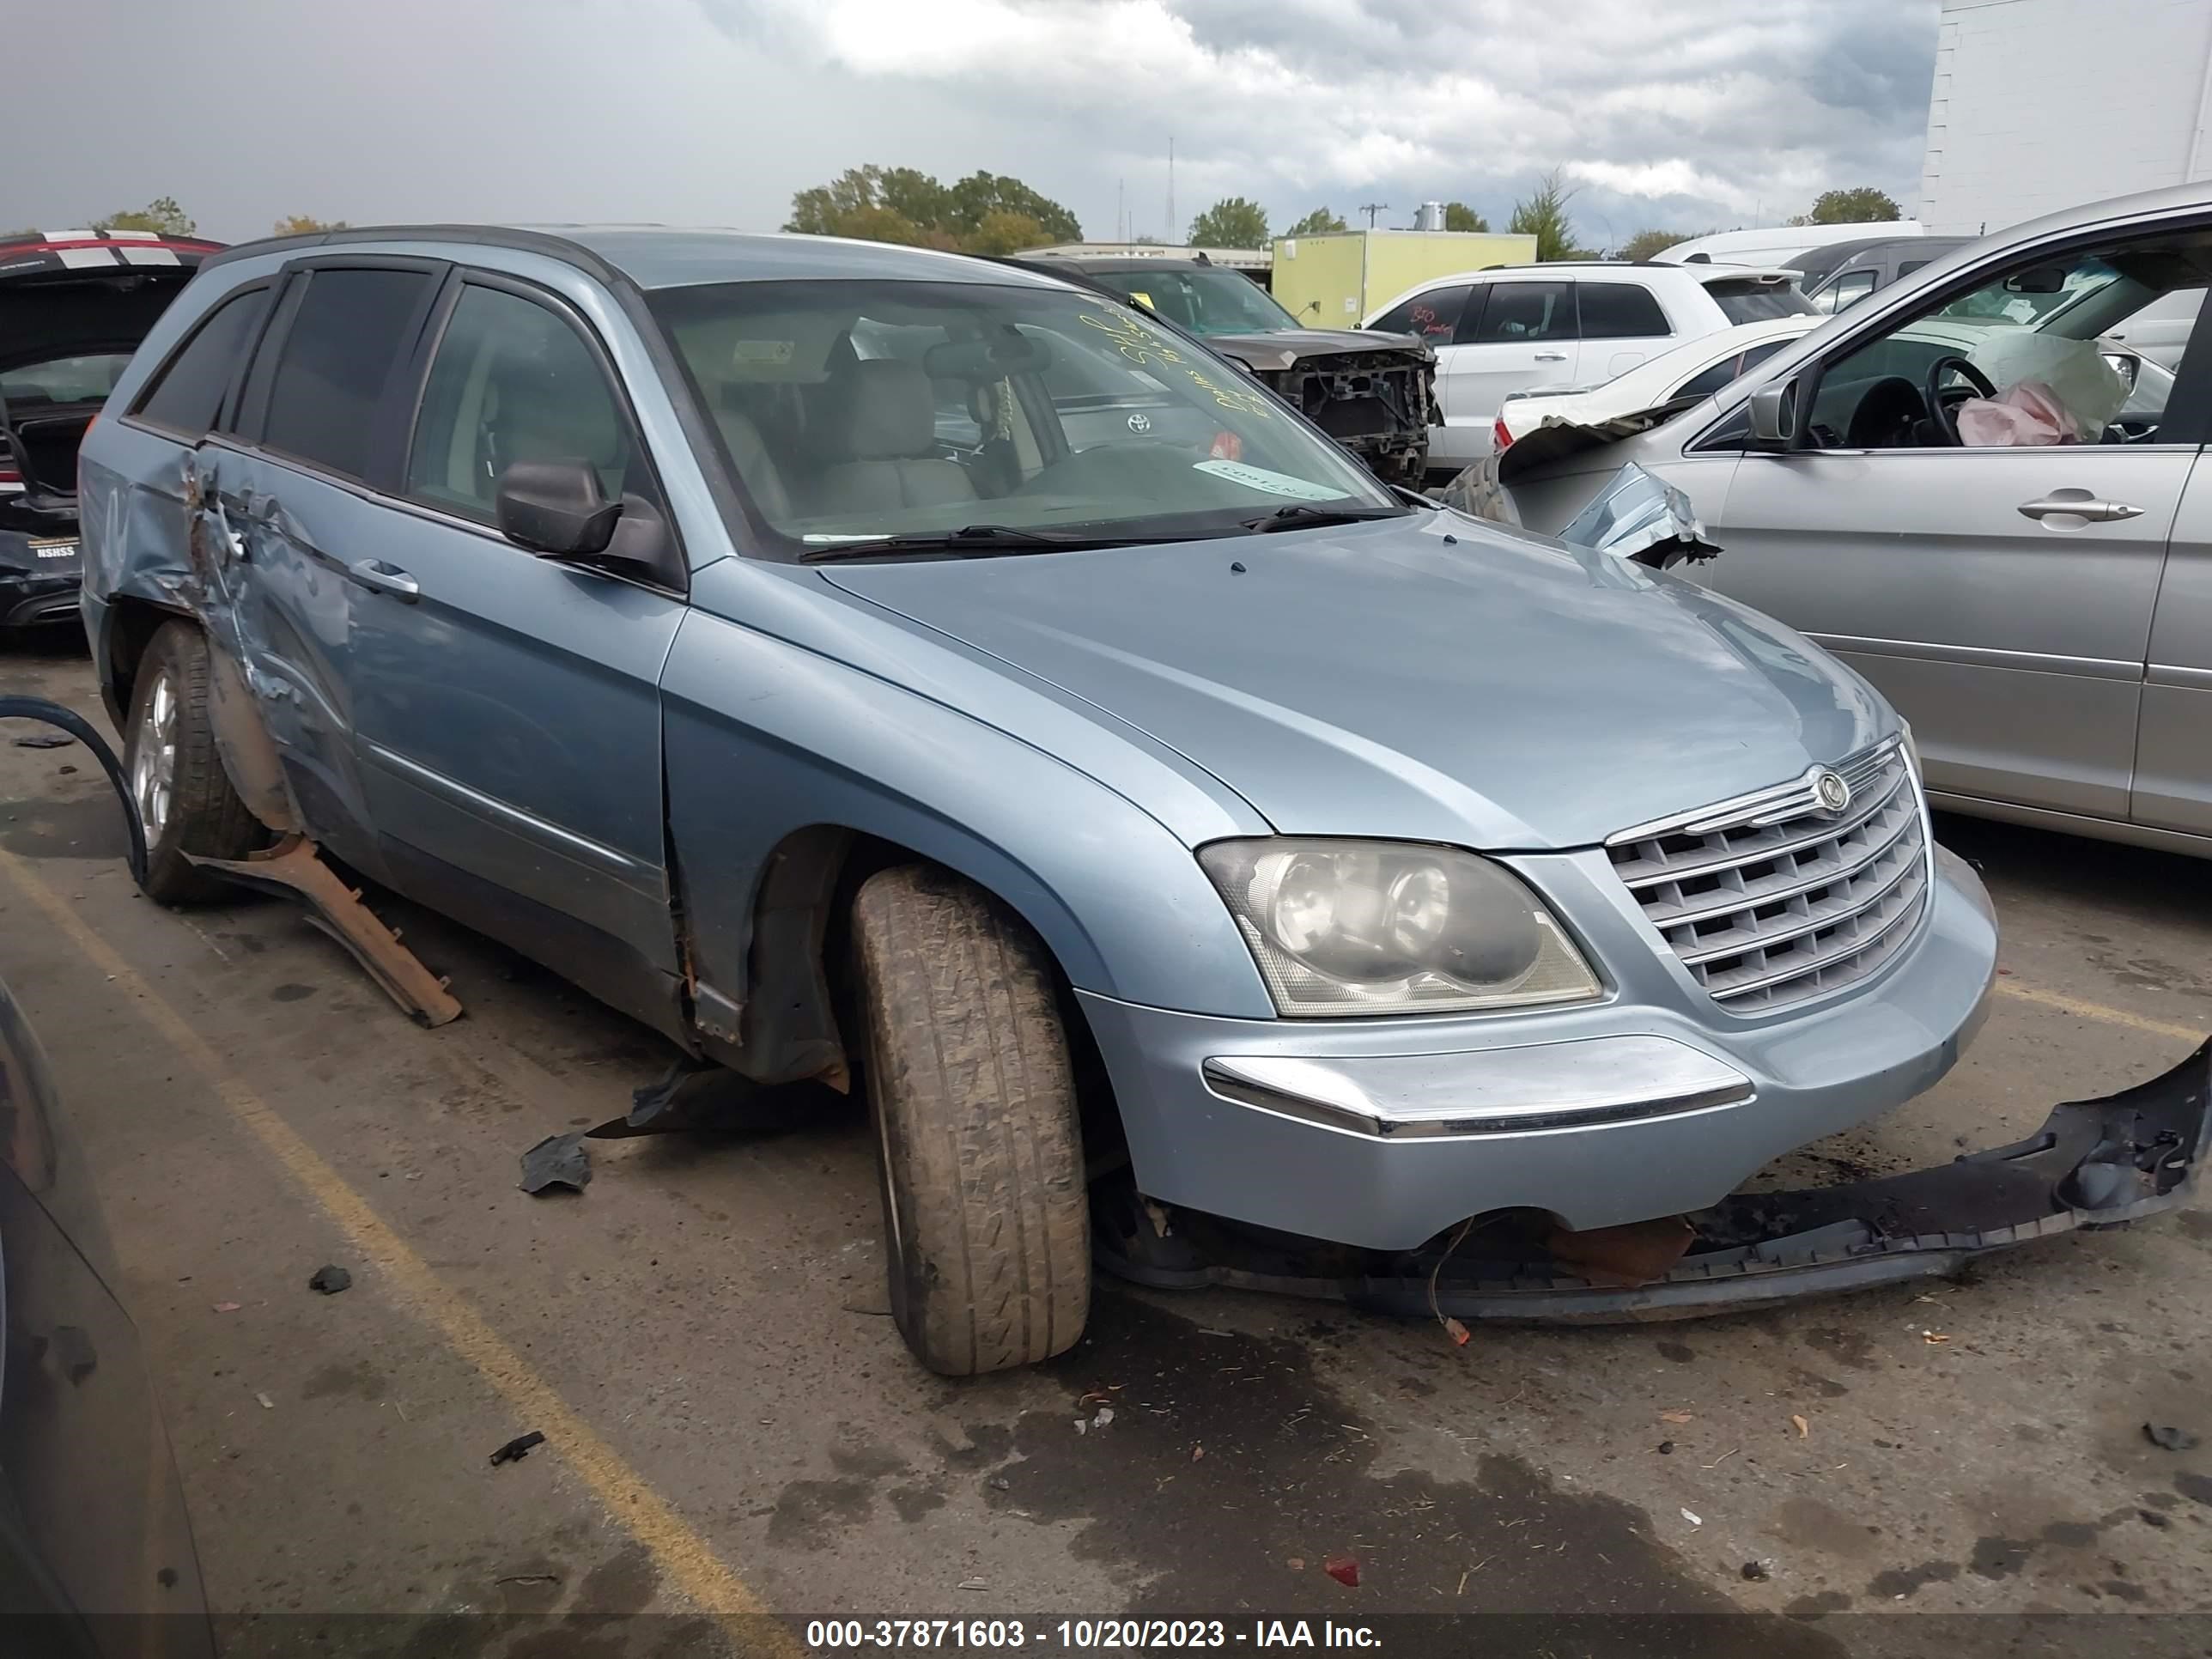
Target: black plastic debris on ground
pixel 517 1448
pixel 45 741
pixel 556 1161
pixel 2166 1438
pixel 701 1096
pixel 330 1280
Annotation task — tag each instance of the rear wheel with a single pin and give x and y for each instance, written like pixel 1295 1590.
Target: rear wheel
pixel 182 795
pixel 987 1225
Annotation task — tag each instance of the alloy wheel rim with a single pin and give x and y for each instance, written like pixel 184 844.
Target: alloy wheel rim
pixel 154 755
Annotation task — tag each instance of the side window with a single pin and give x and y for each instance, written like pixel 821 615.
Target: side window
pixel 352 331
pixel 1431 316
pixel 1520 313
pixel 1728 368
pixel 186 396
pixel 1847 289
pixel 1619 311
pixel 2020 358
pixel 513 382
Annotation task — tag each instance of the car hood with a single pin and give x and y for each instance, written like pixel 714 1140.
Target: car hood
pixel 1499 690
pixel 1282 348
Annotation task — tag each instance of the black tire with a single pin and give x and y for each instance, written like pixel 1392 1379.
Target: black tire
pixel 987 1224
pixel 203 813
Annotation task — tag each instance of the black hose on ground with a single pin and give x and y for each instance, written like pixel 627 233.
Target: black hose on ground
pixel 69 721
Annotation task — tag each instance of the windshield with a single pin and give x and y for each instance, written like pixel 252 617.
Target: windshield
pixel 1203 302
pixel 63 380
pixel 1750 300
pixel 855 410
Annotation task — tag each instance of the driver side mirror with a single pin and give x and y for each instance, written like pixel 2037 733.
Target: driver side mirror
pixel 555 508
pixel 1773 415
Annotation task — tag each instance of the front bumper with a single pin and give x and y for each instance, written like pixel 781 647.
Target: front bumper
pixel 1382 1133
pixel 2093 1164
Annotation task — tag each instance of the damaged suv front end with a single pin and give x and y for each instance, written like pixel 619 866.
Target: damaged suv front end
pixel 1374 393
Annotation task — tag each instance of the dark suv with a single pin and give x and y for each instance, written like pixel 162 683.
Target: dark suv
pixel 74 306
pixel 1374 393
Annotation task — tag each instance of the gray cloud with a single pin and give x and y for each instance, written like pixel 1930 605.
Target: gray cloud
pixel 1693 114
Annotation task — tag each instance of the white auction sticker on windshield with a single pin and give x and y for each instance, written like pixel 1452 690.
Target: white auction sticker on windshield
pixel 1275 483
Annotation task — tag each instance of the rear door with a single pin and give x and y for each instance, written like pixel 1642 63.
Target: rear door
pixel 2172 788
pixel 1524 334
pixel 290 505
pixel 1620 325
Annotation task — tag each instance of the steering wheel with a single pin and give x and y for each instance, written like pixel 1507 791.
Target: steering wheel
pixel 1944 416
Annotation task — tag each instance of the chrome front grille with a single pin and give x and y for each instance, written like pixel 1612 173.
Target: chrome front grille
pixel 1773 897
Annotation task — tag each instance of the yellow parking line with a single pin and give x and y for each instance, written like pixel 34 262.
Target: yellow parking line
pixel 2097 1011
pixel 686 1559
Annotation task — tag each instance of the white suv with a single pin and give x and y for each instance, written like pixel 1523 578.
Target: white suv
pixel 1516 326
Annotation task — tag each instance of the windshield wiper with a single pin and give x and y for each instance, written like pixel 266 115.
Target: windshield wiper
pixel 1307 516
pixel 974 540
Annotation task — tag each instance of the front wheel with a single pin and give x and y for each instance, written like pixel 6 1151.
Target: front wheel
pixel 987 1225
pixel 182 795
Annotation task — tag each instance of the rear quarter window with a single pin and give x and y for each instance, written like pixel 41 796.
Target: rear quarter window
pixel 1620 311
pixel 185 397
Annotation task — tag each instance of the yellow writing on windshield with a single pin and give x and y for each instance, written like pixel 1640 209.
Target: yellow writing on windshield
pixel 1132 339
pixel 1236 398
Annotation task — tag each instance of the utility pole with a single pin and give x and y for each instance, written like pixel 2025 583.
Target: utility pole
pixel 1370 209
pixel 1121 212
pixel 1173 235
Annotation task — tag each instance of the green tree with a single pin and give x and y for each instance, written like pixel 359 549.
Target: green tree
pixel 1862 205
pixel 300 224
pixel 1645 243
pixel 981 213
pixel 1543 214
pixel 1230 223
pixel 1002 232
pixel 1319 223
pixel 1458 215
pixel 976 197
pixel 161 215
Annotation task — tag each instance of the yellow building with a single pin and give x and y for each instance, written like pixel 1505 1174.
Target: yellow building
pixel 1333 281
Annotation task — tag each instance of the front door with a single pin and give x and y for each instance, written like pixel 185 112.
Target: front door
pixel 507 715
pixel 1997 589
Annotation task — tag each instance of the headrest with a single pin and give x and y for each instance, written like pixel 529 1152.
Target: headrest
pixel 888 410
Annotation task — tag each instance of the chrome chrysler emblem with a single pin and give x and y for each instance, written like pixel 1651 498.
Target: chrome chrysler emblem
pixel 1141 422
pixel 1831 791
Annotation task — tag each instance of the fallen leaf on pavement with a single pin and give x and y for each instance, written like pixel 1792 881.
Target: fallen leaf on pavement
pixel 226 1307
pixel 1674 1417
pixel 1804 1429
pixel 1345 1569
pixel 1934 1336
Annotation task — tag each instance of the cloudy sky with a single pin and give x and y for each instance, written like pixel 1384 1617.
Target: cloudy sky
pixel 1682 113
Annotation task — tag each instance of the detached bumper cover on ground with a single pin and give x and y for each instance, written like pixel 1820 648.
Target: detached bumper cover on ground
pixel 2093 1163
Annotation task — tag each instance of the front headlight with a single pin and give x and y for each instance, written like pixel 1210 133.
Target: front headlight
pixel 1385 927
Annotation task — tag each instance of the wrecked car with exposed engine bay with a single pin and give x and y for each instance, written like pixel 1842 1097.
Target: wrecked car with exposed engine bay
pixel 1204 860
pixel 73 305
pixel 1374 392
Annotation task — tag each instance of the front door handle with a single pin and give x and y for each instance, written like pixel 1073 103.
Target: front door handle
pixel 1551 356
pixel 2079 504
pixel 383 578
